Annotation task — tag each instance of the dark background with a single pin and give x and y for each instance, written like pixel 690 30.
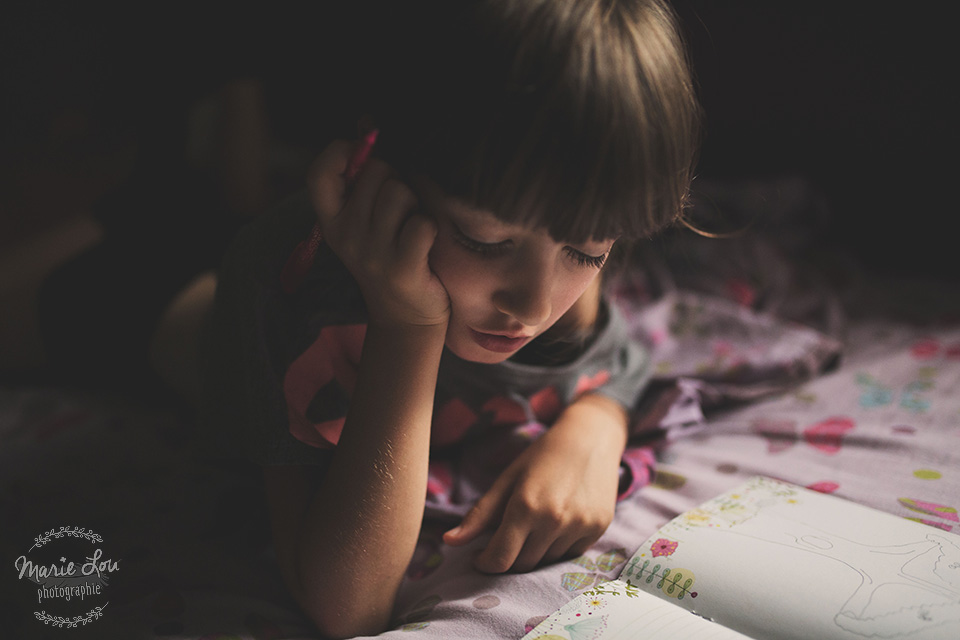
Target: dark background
pixel 858 97
pixel 855 96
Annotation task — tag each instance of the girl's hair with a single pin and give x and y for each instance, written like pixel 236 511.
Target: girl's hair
pixel 576 115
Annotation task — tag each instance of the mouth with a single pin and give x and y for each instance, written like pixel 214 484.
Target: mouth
pixel 499 343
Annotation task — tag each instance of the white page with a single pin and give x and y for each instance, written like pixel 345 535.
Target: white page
pixel 614 611
pixel 774 561
pixel 777 561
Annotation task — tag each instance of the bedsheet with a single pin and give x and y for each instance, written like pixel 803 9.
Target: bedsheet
pixel 882 429
pixel 759 370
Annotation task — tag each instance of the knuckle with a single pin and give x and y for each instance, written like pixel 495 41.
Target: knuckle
pixel 525 505
pixel 547 513
pixel 553 516
pixel 596 522
pixel 398 192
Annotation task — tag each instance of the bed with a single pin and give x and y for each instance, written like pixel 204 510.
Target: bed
pixel 770 358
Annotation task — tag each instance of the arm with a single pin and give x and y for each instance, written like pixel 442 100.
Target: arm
pixel 558 497
pixel 343 547
pixel 344 544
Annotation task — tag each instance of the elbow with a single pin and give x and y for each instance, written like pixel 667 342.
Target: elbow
pixel 343 617
pixel 345 624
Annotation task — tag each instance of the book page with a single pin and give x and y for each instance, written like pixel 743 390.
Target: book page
pixel 617 611
pixel 772 560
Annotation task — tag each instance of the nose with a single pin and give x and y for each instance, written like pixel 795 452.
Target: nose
pixel 524 293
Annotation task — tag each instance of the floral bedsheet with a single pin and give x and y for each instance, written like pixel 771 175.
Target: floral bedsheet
pixel 758 372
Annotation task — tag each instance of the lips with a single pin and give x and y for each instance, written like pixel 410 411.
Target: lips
pixel 499 343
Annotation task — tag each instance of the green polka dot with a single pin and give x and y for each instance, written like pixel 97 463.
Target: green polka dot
pixel 927 474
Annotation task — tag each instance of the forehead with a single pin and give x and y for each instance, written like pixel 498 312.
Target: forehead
pixel 436 202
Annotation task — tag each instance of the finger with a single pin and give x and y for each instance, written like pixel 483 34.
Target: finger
pixel 534 550
pixel 504 547
pixel 569 546
pixel 487 510
pixel 364 195
pixel 415 241
pixel 327 187
pixel 394 204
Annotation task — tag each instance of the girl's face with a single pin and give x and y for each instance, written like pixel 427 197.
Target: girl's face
pixel 507 283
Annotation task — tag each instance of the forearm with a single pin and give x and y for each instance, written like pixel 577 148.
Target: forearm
pixel 597 423
pixel 361 528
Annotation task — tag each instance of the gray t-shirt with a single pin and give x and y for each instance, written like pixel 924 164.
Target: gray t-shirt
pixel 281 367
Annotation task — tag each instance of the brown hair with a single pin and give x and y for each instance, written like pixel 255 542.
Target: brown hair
pixel 576 115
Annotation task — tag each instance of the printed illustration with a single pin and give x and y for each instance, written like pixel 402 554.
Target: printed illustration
pixel 903 588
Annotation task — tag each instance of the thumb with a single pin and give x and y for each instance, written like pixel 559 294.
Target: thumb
pixel 487 510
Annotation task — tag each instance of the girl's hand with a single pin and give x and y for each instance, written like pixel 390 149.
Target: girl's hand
pixel 558 497
pixel 374 228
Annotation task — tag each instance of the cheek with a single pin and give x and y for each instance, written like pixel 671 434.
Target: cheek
pixel 569 291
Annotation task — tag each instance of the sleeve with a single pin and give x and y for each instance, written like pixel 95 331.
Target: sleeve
pixel 621 364
pixel 244 411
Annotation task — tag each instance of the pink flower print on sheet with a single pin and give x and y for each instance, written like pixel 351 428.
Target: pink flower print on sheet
pixel 827 436
pixel 925 348
pixel 663 547
pixel 824 487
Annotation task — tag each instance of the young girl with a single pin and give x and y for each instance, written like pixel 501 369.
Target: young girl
pixel 457 292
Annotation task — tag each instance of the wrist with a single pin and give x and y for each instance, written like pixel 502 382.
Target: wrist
pixel 597 416
pixel 391 318
pixel 402 332
pixel 593 427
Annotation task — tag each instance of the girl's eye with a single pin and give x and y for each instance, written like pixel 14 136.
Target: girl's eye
pixel 585 260
pixel 483 248
pixel 491 249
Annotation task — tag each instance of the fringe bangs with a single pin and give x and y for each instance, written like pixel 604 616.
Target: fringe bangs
pixel 575 116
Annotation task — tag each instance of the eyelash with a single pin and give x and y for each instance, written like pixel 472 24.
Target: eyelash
pixel 584 260
pixel 489 250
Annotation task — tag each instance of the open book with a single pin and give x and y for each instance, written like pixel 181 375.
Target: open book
pixel 772 560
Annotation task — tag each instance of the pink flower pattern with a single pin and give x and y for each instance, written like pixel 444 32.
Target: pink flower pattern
pixel 663 547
